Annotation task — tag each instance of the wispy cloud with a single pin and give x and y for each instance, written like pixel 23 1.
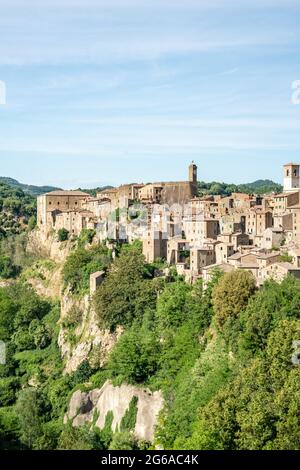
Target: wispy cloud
pixel 118 80
pixel 196 4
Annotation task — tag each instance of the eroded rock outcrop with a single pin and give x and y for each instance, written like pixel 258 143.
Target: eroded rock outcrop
pixel 87 341
pixel 47 245
pixel 84 407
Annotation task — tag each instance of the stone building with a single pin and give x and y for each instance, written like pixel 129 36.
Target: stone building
pixel 257 221
pixel 223 251
pixel 155 246
pixel 198 230
pixel 52 204
pixel 291 180
pixel 171 192
pixel 201 257
pixel 195 234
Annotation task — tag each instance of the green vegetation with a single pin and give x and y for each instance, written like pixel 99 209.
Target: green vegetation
pixel 13 255
pixel 63 235
pixel 128 290
pixel 93 192
pixel 257 187
pixel 223 356
pixel 236 288
pixel 27 188
pixel 285 258
pixel 217 355
pixel 129 420
pixel 16 210
pixel 81 263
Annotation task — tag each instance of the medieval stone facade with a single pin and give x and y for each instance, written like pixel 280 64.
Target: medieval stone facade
pixel 196 234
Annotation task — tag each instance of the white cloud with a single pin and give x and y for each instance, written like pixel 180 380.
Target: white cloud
pixel 197 4
pixel 136 49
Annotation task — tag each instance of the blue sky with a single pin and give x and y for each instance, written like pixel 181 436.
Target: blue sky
pixel 112 91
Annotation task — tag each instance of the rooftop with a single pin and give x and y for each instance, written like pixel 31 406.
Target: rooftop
pixel 67 193
pixel 288 266
pixel 285 194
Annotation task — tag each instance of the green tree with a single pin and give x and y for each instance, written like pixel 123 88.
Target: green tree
pixel 63 235
pixel 124 294
pixel 124 441
pixel 28 413
pixel 231 295
pixel 81 263
pixel 171 306
pixel 135 357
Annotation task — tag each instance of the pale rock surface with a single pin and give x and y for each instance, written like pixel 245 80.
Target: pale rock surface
pixel 83 406
pixel 90 339
pixel 47 245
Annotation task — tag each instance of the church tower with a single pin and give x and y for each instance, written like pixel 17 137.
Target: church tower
pixel 193 173
pixel 291 181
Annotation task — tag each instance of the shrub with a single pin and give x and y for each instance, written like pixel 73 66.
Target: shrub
pixel 63 235
pixel 135 357
pixel 81 264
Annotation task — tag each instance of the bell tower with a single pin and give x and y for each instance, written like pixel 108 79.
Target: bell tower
pixel 193 173
pixel 291 180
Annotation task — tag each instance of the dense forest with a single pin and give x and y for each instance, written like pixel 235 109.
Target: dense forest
pixel 223 357
pixel 17 217
pixel 224 189
pixel 17 210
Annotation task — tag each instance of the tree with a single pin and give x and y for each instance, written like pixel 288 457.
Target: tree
pixel 135 357
pixel 7 269
pixel 171 305
pixel 28 413
pixel 231 295
pixel 7 313
pixel 124 441
pixel 8 387
pixel 63 235
pixel 125 293
pixel 32 223
pixel 81 263
pixel 273 302
pixel 79 439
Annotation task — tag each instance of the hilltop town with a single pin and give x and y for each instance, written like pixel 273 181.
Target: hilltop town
pixel 260 234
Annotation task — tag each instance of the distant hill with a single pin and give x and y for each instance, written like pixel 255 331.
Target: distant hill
pixel 27 188
pixel 257 187
pixel 93 192
pixel 214 187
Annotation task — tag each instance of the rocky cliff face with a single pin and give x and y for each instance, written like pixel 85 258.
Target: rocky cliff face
pixel 81 339
pixel 84 407
pixel 46 245
pixel 87 341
